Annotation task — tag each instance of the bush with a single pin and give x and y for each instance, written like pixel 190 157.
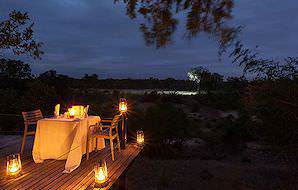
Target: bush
pixel 232 131
pixel 165 128
pixel 172 98
pixel 275 104
pixel 151 97
pixel 221 100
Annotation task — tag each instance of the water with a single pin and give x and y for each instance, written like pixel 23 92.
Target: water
pixel 148 91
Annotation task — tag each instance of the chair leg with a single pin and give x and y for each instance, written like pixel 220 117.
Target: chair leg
pixel 118 143
pixel 87 149
pixel 112 149
pixel 24 141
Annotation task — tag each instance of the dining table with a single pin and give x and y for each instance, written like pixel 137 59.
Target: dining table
pixel 63 138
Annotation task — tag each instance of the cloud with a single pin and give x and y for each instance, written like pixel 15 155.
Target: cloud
pixel 97 37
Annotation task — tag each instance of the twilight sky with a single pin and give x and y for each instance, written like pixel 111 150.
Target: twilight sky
pixel 96 36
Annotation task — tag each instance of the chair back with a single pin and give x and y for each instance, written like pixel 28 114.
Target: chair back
pixel 31 117
pixel 115 121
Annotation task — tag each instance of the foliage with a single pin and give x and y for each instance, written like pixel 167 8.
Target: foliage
pixel 165 124
pixel 10 100
pixel 230 131
pixel 39 96
pixel 272 97
pixel 267 69
pixel 220 100
pixel 205 80
pixel 14 69
pixel 172 98
pixel 235 84
pixel 272 69
pixel 16 34
pixel 275 103
pixel 211 81
pixel 160 19
pixel 150 97
pixel 91 78
pixel 196 74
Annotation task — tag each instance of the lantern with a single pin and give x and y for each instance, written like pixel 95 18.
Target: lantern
pixel 57 110
pixel 123 105
pixel 71 112
pixel 140 137
pixel 13 164
pixel 100 172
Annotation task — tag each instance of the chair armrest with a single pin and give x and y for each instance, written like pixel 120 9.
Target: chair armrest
pixel 105 126
pixel 106 120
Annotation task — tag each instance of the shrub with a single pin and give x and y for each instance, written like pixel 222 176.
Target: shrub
pixel 231 131
pixel 151 97
pixel 275 104
pixel 172 98
pixel 165 128
pixel 221 100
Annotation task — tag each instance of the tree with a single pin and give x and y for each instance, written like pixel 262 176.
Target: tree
pixel 15 69
pixel 272 97
pixel 264 68
pixel 50 74
pixel 93 77
pixel 197 74
pixel 16 34
pixel 211 81
pixel 161 19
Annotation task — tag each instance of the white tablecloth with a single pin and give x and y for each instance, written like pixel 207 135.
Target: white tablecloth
pixel 63 139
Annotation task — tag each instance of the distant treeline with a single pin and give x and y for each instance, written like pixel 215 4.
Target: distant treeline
pixel 169 84
pixel 16 74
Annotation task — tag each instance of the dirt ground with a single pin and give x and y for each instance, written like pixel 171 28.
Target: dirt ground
pixel 200 169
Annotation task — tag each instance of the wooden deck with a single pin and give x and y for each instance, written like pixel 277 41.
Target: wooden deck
pixel 48 175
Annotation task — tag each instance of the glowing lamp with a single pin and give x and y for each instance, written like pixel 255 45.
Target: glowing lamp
pixel 71 112
pixel 13 164
pixel 140 137
pixel 100 172
pixel 123 105
pixel 57 110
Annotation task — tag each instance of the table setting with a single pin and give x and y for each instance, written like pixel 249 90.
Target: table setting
pixel 64 137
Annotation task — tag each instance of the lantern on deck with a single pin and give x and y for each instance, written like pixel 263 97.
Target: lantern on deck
pixel 123 105
pixel 100 173
pixel 140 137
pixel 13 164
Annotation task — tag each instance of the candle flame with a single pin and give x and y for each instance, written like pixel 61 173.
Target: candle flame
pixel 140 137
pixel 13 167
pixel 72 112
pixel 122 107
pixel 100 176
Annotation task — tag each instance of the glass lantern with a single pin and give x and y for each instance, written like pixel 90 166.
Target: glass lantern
pixel 100 172
pixel 140 137
pixel 13 164
pixel 71 112
pixel 123 105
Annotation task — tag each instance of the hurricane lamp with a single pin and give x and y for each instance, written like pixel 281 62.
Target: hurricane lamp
pixel 100 173
pixel 123 105
pixel 140 137
pixel 13 164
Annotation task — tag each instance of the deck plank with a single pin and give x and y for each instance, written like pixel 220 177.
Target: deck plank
pixel 89 179
pixel 115 170
pixel 48 175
